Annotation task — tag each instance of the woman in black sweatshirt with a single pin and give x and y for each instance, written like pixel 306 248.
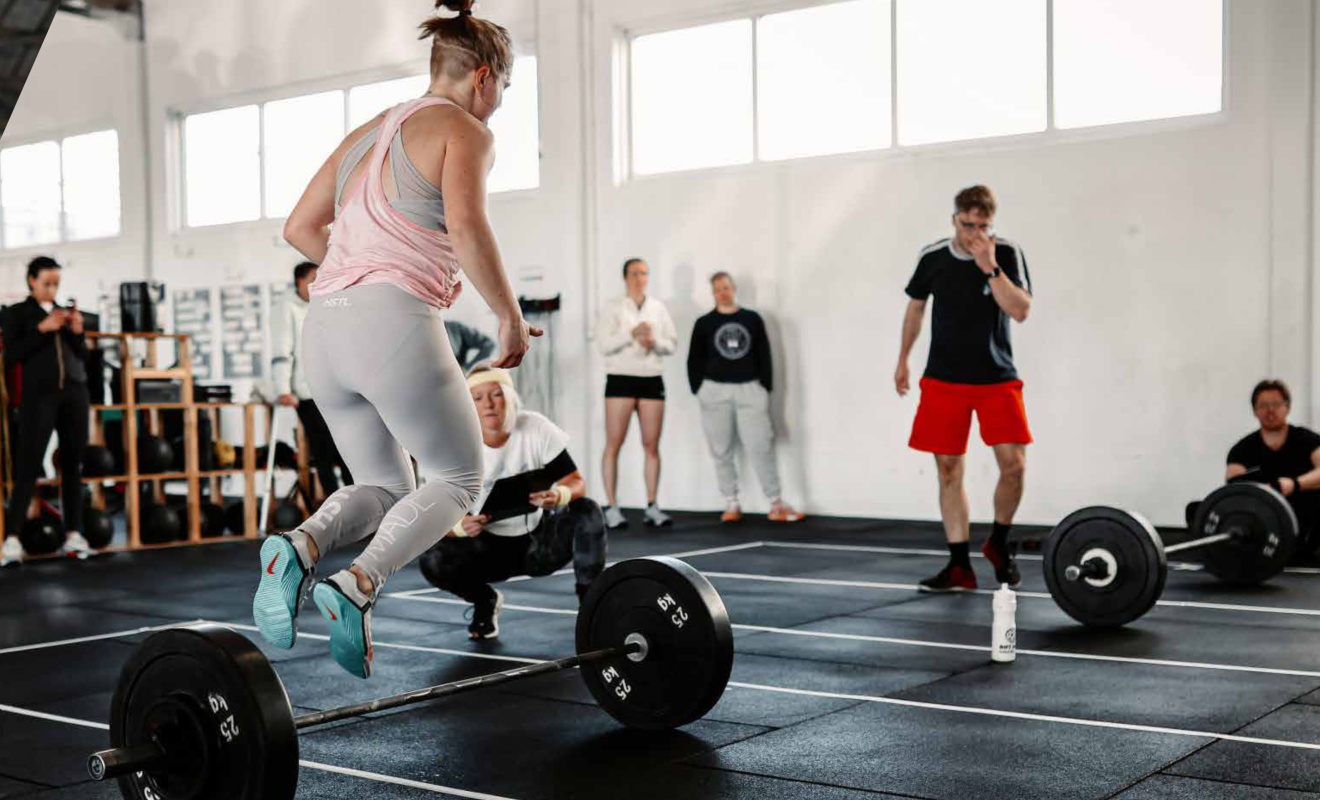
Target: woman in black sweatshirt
pixel 47 341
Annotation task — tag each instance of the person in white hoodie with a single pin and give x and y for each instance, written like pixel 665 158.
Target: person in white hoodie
pixel 636 335
pixel 291 384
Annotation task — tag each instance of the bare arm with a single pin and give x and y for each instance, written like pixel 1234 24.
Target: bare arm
pixel 1309 480
pixel 912 318
pixel 1013 299
pixel 469 155
pixel 308 225
pixel 1234 471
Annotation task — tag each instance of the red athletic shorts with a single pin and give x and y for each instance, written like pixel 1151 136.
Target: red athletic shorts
pixel 944 416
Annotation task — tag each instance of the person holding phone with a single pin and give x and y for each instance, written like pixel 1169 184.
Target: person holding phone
pixel 47 340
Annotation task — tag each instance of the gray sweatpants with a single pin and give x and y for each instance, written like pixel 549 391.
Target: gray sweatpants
pixel 385 378
pixel 733 411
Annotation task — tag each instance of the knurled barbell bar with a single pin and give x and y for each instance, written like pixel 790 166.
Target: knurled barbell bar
pixel 199 713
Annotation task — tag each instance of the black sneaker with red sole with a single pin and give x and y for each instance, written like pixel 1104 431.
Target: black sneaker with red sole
pixel 1006 568
pixel 953 578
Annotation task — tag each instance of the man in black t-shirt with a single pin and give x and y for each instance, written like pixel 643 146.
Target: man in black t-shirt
pixel 979 283
pixel 730 372
pixel 1285 456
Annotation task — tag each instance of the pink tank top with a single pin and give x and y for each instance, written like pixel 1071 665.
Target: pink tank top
pixel 372 243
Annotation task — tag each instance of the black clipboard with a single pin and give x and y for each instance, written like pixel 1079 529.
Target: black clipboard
pixel 508 497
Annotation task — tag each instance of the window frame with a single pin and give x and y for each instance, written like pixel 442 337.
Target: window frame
pixel 58 138
pixel 666 21
pixel 177 114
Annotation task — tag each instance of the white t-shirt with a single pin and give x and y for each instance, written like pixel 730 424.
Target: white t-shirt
pixel 534 443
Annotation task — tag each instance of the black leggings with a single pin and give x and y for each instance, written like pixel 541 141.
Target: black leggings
pixel 466 566
pixel 65 413
pixel 324 455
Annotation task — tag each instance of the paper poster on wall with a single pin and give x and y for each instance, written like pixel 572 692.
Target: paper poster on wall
pixel 192 316
pixel 242 333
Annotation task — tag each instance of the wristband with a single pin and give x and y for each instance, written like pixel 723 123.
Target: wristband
pixel 457 530
pixel 565 496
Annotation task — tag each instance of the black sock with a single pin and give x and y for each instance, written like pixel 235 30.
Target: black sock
pixel 999 536
pixel 958 556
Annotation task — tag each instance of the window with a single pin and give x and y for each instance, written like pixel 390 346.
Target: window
pixel 691 94
pixel 365 102
pixel 968 69
pixel 222 166
pixel 244 163
pixel 298 135
pixel 30 194
pixel 517 133
pixel 823 80
pixel 1124 60
pixel 91 186
pixel 60 191
pixel 852 75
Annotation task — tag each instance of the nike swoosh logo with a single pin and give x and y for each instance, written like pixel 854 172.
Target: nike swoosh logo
pixel 270 568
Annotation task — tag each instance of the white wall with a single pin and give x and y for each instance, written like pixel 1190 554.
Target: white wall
pixel 86 79
pixel 1173 263
pixel 1172 270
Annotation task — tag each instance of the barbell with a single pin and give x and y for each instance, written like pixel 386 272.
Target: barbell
pixel 200 714
pixel 1106 567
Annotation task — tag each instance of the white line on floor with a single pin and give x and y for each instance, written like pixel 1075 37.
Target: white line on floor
pixel 1304 612
pixel 376 776
pixel 115 635
pixel 82 723
pixel 992 712
pixel 1181 566
pixel 390 646
pixel 686 554
pixel 1155 662
pixel 371 776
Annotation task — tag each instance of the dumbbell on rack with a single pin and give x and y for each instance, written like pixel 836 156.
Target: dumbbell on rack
pixel 1106 567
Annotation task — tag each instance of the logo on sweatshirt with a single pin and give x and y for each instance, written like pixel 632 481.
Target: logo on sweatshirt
pixel 733 341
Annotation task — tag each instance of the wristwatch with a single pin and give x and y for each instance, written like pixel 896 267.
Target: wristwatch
pixel 995 273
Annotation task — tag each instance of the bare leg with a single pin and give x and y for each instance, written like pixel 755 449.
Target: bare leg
pixel 651 414
pixel 1012 460
pixel 618 415
pixel 954 506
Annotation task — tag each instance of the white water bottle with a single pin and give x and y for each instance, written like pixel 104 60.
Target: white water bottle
pixel 1003 644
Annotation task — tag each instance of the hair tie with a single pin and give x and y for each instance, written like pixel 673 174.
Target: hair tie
pixel 467 12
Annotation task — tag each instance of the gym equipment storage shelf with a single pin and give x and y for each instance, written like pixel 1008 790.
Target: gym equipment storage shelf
pixel 138 354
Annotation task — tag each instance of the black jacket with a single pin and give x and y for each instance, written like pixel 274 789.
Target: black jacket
pixel 45 367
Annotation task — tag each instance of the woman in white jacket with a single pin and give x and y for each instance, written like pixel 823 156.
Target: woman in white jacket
pixel 636 334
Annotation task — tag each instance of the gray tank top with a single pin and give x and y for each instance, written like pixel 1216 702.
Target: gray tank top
pixel 416 199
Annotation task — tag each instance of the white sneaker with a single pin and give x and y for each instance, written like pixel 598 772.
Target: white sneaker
pixel 657 518
pixel 11 552
pixel 614 518
pixel 75 546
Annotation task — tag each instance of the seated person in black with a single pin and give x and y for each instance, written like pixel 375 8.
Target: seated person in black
pixel 1285 456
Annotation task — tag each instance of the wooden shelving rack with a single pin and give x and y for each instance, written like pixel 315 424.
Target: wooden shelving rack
pixel 146 367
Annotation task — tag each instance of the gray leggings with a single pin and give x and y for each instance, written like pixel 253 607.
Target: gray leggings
pixel 385 378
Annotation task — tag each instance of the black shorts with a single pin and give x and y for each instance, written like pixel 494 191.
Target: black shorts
pixel 635 387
